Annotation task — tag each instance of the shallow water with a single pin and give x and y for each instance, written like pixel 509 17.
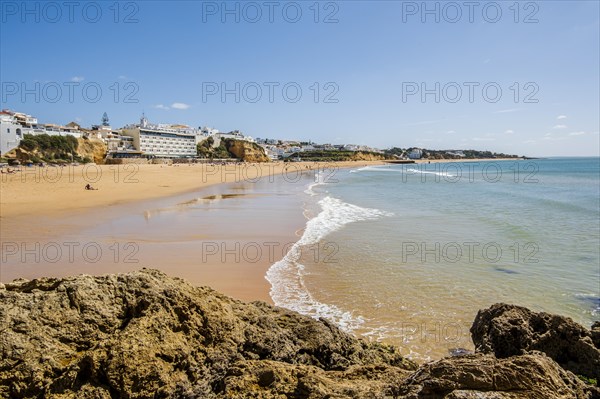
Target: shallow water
pixel 407 254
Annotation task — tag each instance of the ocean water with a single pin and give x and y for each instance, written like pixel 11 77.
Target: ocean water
pixel 407 254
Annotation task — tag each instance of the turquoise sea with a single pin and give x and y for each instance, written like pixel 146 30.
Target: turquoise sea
pixel 407 254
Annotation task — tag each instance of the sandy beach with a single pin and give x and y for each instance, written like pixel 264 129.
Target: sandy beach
pixel 47 206
pixel 48 191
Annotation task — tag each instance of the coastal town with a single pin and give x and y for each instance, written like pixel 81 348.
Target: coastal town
pixel 152 140
pixel 146 141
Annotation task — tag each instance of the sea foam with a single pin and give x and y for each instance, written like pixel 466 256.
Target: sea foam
pixel 288 287
pixel 403 170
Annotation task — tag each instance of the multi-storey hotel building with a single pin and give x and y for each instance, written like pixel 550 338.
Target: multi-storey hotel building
pixel 162 141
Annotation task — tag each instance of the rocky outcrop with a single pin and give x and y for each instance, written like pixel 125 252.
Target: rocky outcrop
pixel 93 149
pixel 367 156
pixel 532 376
pixel 90 150
pixel 508 330
pixel 146 335
pixel 340 155
pixel 246 151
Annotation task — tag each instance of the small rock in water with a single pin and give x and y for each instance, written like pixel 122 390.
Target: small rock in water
pixel 504 270
pixel 459 352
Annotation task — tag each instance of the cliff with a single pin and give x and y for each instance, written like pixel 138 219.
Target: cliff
pixel 92 149
pixel 368 156
pixel 146 335
pixel 246 151
pixel 57 149
pixel 338 155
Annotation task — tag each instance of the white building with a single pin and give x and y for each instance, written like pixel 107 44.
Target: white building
pixel 24 119
pixel 459 154
pixel 56 130
pixel 116 142
pixel 11 132
pixel 416 153
pixel 164 141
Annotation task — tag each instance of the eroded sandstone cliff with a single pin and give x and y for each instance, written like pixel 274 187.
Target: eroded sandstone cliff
pixel 246 151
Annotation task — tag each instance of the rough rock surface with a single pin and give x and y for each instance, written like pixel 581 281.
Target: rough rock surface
pixel 479 376
pixel 146 335
pixel 367 156
pixel 508 330
pixel 246 151
pixel 94 149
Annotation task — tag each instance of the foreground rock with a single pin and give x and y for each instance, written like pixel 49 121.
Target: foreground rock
pixel 530 376
pixel 145 335
pixel 508 330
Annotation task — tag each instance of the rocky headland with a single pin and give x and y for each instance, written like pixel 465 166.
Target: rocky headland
pixel 147 335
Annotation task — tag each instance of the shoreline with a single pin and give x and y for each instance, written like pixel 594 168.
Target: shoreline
pixel 34 209
pixel 419 161
pixel 122 212
pixel 42 190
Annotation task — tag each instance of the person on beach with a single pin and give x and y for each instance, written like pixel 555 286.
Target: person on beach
pixel 89 187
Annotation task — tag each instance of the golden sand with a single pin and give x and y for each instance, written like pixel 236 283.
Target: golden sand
pixel 50 190
pixel 43 205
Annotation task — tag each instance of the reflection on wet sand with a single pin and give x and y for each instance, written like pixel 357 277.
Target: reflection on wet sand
pixel 207 200
pixel 223 236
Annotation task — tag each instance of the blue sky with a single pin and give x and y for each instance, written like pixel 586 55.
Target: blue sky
pixel 361 68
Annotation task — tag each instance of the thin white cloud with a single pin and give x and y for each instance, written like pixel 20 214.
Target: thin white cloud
pixel 160 106
pixel 559 117
pixel 505 111
pixel 529 142
pixel 552 137
pixel 450 132
pixel 420 123
pixel 509 131
pixel 180 106
pixel 577 133
pixel 483 139
pixel 77 79
pixel 122 77
pixel 559 127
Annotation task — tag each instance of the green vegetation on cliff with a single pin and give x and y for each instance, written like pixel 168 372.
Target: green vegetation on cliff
pixel 338 155
pixel 51 144
pixel 448 154
pixel 46 148
pixel 59 149
pixel 205 149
